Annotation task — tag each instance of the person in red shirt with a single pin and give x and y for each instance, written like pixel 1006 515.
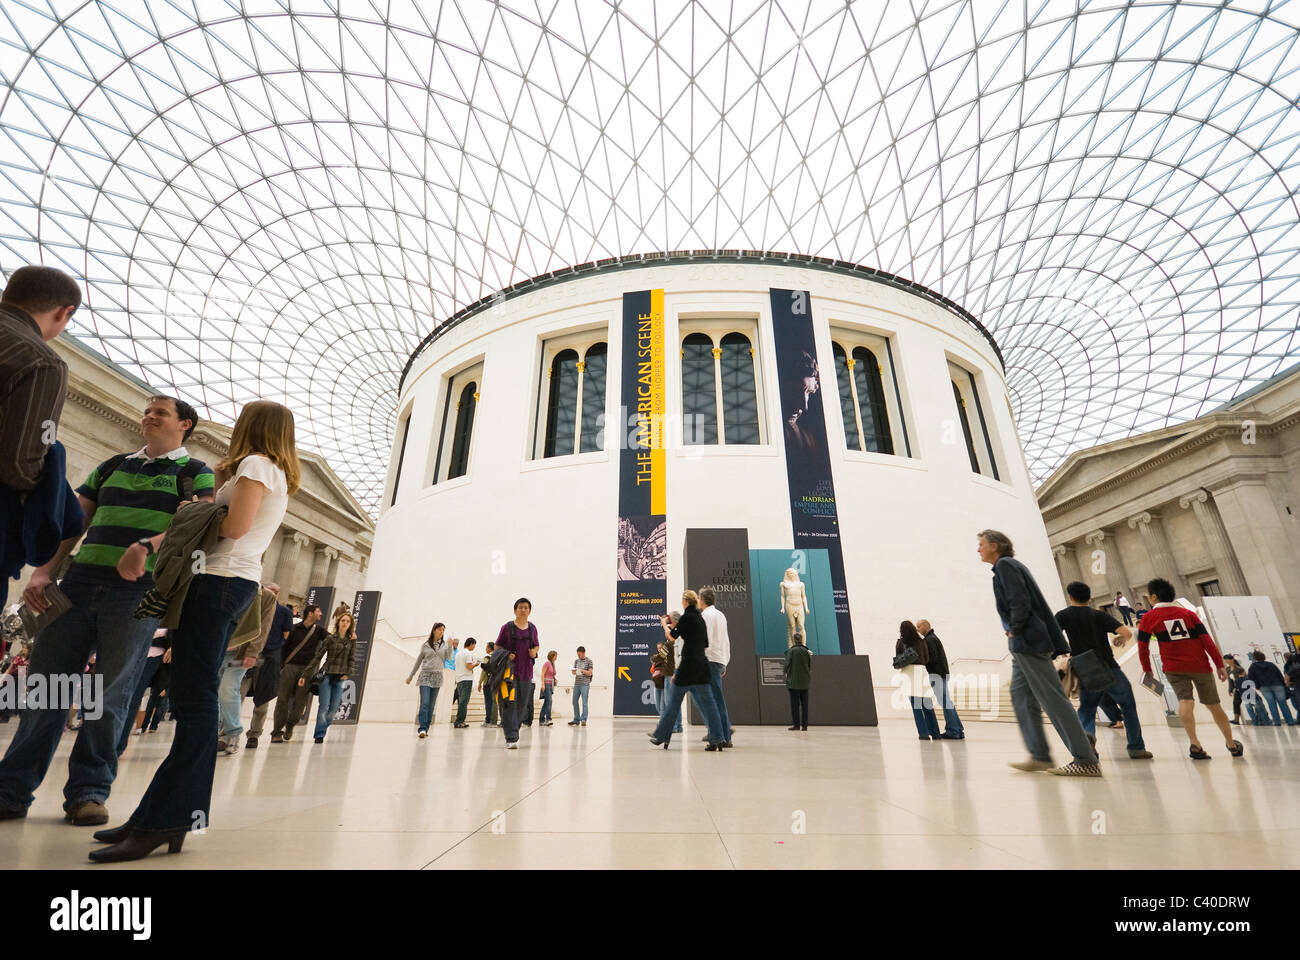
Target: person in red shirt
pixel 1189 659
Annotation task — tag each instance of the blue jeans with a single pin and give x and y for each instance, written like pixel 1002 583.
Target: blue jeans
pixel 943 694
pixel 581 691
pixel 1122 692
pixel 147 673
pixel 229 700
pixel 661 697
pixel 673 712
pixel 328 701
pixel 1275 697
pixel 99 622
pixel 668 694
pixel 180 795
pixel 548 694
pixel 720 704
pixel 428 697
pixel 927 724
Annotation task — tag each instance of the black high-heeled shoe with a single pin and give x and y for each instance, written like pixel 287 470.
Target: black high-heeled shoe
pixel 657 743
pixel 139 845
pixel 114 834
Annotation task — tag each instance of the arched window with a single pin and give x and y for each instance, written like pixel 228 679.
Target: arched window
pixel 404 430
pixel 876 435
pixel 848 406
pixel 965 427
pixel 562 408
pixel 595 366
pixel 699 391
pixel 459 464
pixel 739 390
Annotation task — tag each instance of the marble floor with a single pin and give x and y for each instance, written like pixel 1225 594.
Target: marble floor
pixel 376 796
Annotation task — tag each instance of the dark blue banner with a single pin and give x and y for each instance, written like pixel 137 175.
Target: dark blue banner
pixel 807 454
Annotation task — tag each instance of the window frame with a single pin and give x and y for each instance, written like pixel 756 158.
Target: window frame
pixel 880 345
pixel 580 342
pixel 966 383
pixel 453 384
pixel 716 328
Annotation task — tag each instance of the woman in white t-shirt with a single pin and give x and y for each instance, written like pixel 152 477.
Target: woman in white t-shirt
pixel 255 482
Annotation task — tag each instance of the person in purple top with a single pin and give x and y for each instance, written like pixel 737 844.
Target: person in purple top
pixel 518 636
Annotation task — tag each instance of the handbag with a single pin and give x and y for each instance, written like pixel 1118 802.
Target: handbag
pixel 314 687
pixel 1092 673
pixel 905 659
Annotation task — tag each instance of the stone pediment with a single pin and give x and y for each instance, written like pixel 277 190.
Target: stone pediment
pixel 1084 468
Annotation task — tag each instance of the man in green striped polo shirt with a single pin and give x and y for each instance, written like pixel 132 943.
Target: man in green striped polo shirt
pixel 128 499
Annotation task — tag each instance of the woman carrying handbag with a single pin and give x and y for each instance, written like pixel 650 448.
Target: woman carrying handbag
pixel 910 659
pixel 339 648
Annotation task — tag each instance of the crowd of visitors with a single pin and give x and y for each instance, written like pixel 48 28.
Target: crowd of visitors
pixel 198 638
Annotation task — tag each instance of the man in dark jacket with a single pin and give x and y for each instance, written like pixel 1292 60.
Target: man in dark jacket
pixel 265 684
pixel 1034 638
pixel 292 700
pixel 1272 686
pixel 939 673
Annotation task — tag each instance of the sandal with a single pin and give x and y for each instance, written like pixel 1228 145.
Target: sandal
pixel 1236 749
pixel 1198 754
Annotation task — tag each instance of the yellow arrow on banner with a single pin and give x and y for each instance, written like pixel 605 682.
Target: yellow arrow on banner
pixel 625 674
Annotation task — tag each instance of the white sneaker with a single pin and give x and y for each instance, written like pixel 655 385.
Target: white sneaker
pixel 229 749
pixel 513 745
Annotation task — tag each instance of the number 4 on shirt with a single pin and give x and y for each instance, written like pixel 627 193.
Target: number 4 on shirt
pixel 1177 630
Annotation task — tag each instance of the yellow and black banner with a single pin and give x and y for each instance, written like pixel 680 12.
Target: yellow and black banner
pixel 642 499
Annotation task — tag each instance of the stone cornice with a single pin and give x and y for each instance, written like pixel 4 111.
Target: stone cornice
pixel 100 409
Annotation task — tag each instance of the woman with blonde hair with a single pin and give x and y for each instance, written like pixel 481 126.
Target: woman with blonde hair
pixel 338 647
pixel 692 675
pixel 254 481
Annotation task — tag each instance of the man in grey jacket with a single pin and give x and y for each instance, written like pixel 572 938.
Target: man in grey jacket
pixel 1034 638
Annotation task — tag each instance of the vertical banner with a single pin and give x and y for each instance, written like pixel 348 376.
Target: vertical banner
pixel 807 453
pixel 642 495
pixel 365 611
pixel 719 558
pixel 322 597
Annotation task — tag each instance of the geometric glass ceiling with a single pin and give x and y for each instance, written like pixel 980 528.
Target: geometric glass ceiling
pixel 280 200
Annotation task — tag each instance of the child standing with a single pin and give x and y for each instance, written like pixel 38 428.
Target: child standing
pixel 548 689
pixel 798 678
pixel 582 672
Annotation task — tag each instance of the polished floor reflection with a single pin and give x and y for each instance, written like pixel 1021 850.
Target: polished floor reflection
pixel 600 796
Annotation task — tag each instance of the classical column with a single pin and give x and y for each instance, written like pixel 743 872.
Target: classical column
pixel 332 577
pixel 1231 580
pixel 320 566
pixel 1067 563
pixel 1163 564
pixel 288 566
pixel 1116 577
pixel 271 559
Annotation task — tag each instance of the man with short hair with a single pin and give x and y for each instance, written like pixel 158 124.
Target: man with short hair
pixel 583 670
pixel 1089 631
pixel 265 684
pixel 1187 656
pixel 937 665
pixel 1034 639
pixel 1122 605
pixel 718 655
pixel 465 664
pixel 128 500
pixel 291 699
pixel 1271 684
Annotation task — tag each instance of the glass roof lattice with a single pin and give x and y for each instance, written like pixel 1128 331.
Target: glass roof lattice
pixel 275 199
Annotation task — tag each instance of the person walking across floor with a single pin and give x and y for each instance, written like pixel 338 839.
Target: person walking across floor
pixel 798 678
pixel 692 676
pixel 719 655
pixel 940 682
pixel 489 695
pixel 519 638
pixel 1088 632
pixel 258 475
pixel 292 698
pixel 583 670
pixel 911 657
pixel 466 662
pixel 128 501
pixel 430 663
pixel 1188 658
pixel 1125 611
pixel 265 684
pixel 662 666
pixel 1271 684
pixel 675 646
pixel 548 690
pixel 1034 639
pixel 338 649
pixel 241 656
pixel 134 717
